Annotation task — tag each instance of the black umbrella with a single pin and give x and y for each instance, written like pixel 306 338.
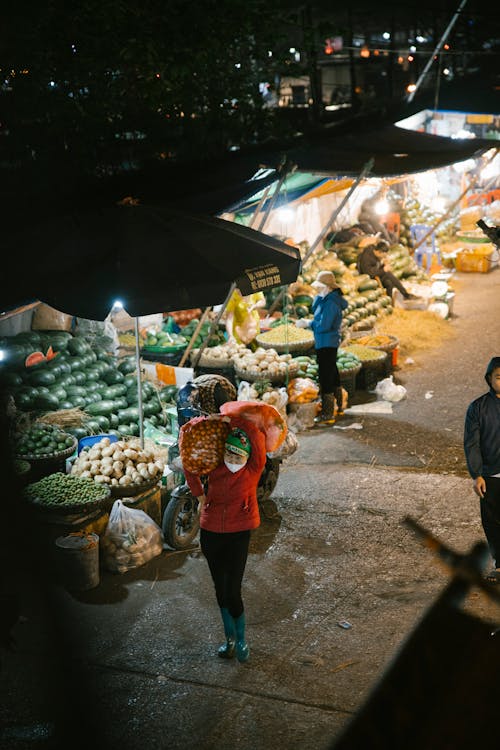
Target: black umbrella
pixel 151 258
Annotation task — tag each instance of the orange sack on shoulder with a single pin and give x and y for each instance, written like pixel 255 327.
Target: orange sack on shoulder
pixel 266 417
pixel 201 443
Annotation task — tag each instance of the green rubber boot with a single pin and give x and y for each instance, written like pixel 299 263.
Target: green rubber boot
pixel 242 650
pixel 226 651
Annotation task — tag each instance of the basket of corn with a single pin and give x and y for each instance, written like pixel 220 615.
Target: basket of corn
pixel 381 341
pixel 286 338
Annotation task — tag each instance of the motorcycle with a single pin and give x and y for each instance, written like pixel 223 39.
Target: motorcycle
pixel 181 521
pixel 203 396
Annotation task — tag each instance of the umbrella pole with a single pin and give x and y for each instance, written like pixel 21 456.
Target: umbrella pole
pixel 367 168
pixel 139 385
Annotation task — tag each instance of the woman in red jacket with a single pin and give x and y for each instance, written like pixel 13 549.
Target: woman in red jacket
pixel 228 512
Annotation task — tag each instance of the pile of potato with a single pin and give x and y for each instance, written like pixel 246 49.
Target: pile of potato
pixel 263 362
pixel 118 464
pixel 131 540
pixel 223 354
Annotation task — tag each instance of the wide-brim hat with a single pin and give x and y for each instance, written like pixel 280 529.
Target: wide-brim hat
pixel 326 278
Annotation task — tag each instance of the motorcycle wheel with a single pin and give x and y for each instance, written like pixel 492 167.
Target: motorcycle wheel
pixel 181 522
pixel 268 480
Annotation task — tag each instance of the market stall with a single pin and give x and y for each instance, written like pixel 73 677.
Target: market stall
pixel 77 406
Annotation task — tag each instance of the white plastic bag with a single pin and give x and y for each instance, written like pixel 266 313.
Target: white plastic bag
pixel 387 390
pixel 131 539
pixel 246 392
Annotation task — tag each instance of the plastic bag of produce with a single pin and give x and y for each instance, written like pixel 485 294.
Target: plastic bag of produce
pixel 131 539
pixel 202 441
pixel 266 417
pixel 387 390
pixel 302 391
pixel 277 397
pixel 247 392
pixel 288 447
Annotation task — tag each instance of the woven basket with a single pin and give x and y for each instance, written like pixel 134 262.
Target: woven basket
pixel 348 379
pixel 393 343
pixel 134 489
pixel 277 379
pixel 67 508
pixel 218 364
pixel 34 457
pixel 291 346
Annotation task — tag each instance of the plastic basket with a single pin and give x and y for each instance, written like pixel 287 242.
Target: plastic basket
pixel 87 442
pixel 164 357
pixel 472 261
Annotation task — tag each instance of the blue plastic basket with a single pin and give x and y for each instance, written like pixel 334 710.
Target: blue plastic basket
pixel 92 439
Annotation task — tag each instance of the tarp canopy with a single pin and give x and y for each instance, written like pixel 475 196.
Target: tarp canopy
pixel 395 151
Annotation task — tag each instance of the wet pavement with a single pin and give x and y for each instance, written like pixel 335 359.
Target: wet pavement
pixel 133 663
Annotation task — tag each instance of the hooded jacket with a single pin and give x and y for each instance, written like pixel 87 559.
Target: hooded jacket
pixel 231 503
pixel 328 319
pixel 482 431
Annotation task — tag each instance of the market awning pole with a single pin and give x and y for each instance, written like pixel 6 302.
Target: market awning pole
pixel 367 168
pixel 139 385
pixel 436 50
pixel 187 351
pixel 214 325
pixel 287 169
pixel 259 207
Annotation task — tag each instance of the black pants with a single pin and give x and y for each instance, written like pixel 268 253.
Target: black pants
pixel 226 556
pixel 390 282
pixel 328 373
pixel 490 516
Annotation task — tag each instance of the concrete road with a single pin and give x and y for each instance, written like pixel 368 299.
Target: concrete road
pixel 134 662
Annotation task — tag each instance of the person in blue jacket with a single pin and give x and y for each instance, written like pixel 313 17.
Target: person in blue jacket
pixel 327 309
pixel 482 453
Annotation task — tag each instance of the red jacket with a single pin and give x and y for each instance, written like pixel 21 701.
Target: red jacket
pixel 231 503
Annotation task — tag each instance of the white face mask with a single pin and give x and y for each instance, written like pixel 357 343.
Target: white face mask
pixel 234 467
pixel 323 290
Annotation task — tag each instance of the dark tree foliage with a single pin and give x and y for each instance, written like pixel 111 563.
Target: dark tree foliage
pixel 108 85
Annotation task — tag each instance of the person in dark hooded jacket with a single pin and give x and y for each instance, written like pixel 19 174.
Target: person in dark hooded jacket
pixel 482 453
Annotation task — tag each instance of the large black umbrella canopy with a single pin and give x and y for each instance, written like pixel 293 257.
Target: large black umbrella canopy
pixel 150 258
